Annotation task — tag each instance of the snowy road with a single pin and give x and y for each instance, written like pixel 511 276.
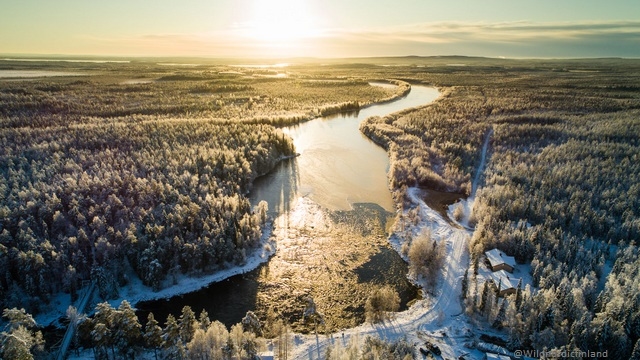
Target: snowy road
pixel 425 316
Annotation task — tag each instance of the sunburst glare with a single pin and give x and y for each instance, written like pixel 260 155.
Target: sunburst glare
pixel 282 22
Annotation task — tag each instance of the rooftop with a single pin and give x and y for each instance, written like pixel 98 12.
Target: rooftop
pixel 497 257
pixel 506 280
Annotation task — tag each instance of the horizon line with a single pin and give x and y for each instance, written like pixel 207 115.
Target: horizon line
pixel 62 57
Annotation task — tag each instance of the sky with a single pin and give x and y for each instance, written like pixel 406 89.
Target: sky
pixel 322 28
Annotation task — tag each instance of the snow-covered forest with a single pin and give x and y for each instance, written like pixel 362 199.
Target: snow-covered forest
pixel 103 175
pixel 561 191
pixel 101 179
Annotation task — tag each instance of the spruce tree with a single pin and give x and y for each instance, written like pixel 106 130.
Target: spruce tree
pixel 204 320
pixel 484 298
pixel 518 300
pixel 127 327
pixel 171 339
pixel 153 334
pixel 187 323
pixel 251 323
pixel 498 323
pixel 465 284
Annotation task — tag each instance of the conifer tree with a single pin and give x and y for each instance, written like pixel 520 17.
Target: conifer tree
pixel 187 323
pixel 127 326
pixel 153 334
pixel 204 320
pixel 518 300
pixel 484 299
pixel 251 323
pixel 19 338
pixel 101 338
pixel 104 321
pixel 171 339
pixel 465 284
pixel 500 318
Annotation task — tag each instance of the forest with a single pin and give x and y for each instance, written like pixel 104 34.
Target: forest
pixel 561 191
pixel 102 176
pixel 145 168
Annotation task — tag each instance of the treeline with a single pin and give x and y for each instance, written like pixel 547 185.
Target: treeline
pixel 93 201
pixel 560 191
pixel 116 333
pixel 208 92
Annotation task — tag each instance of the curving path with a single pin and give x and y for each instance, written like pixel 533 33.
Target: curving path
pixel 423 316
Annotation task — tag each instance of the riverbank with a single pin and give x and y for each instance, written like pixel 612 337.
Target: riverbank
pixel 403 89
pixel 427 318
pixel 135 291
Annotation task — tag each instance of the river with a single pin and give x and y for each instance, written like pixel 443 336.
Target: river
pixel 332 209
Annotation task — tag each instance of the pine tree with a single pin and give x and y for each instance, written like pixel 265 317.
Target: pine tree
pixel 19 338
pixel 204 320
pixel 251 323
pixel 127 326
pixel 171 339
pixel 153 334
pixel 518 300
pixel 484 299
pixel 101 337
pixel 498 323
pixel 465 284
pixel 105 316
pixel 187 323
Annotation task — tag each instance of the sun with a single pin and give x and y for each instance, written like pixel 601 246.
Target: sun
pixel 281 22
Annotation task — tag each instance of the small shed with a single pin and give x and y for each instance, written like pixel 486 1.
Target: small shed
pixel 500 261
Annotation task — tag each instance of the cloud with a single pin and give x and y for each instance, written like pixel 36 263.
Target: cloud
pixel 514 39
pixel 511 39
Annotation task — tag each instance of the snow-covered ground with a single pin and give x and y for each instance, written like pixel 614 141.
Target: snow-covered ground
pixel 439 318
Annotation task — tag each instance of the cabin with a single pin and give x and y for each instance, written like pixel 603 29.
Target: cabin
pixel 508 283
pixel 500 261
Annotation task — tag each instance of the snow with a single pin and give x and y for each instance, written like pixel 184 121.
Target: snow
pixel 136 291
pixel 506 280
pixel 497 257
pixel 438 318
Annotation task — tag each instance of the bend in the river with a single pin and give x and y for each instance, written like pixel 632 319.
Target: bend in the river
pixel 332 207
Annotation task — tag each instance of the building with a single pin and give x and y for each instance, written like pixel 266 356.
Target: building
pixel 499 261
pixel 507 282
